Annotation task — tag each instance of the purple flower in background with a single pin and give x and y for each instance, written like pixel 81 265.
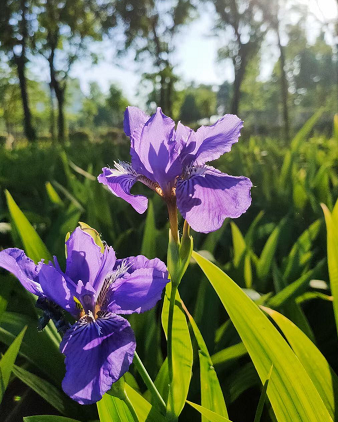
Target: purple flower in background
pixel 172 162
pixel 95 289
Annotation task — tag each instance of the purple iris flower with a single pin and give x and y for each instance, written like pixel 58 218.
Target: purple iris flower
pixel 95 289
pixel 172 162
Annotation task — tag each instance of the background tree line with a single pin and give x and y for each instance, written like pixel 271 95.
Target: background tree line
pixel 303 77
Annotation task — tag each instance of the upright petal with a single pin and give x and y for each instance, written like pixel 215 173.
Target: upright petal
pixel 139 287
pixel 133 118
pixel 84 257
pixel 210 142
pixel 209 196
pixel 107 265
pixel 24 269
pixel 119 182
pixel 58 288
pixel 97 354
pixel 153 150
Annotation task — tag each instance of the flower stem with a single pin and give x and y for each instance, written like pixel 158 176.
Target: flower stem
pixel 160 404
pixel 173 220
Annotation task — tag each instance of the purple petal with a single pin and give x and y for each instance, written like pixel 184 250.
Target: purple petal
pixel 107 264
pixel 97 355
pixel 138 289
pixel 153 150
pixel 210 142
pixel 84 257
pixel 24 269
pixel 208 196
pixel 120 183
pixel 133 118
pixel 58 288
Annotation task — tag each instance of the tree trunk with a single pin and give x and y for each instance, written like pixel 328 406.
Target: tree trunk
pixel 60 96
pixel 28 127
pixel 20 61
pixel 284 88
pixel 52 114
pixel 239 76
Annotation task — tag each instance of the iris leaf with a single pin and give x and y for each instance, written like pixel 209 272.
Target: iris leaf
pixel 211 392
pixel 208 414
pixel 7 362
pixel 323 377
pixel 182 353
pixel 292 399
pixel 332 257
pixel 33 245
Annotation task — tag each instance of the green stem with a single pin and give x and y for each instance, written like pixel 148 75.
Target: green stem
pixel 160 404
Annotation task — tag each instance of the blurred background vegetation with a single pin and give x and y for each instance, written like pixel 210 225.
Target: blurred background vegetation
pixel 61 63
pixel 68 69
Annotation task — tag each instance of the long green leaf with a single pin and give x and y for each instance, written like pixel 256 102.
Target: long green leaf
pixel 47 391
pixel 33 245
pixel 268 252
pixel 38 348
pixel 48 418
pixel 113 409
pixel 323 377
pixel 144 410
pixel 238 243
pixel 332 257
pixel 7 362
pixel 229 354
pixel 208 414
pixel 182 352
pixel 292 398
pixel 262 398
pixel 211 392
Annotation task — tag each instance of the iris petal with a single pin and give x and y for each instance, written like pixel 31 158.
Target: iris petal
pixel 97 354
pixel 120 184
pixel 83 257
pixel 210 142
pixel 138 289
pixel 153 150
pixel 24 269
pixel 133 118
pixel 209 196
pixel 58 288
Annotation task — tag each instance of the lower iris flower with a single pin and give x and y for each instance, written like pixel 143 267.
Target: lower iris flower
pixel 95 289
pixel 172 162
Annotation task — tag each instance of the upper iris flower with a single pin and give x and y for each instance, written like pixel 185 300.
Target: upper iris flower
pixel 172 162
pixel 95 288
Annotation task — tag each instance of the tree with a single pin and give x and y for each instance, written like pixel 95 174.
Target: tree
pixel 244 30
pixel 65 30
pixel 15 34
pixel 150 29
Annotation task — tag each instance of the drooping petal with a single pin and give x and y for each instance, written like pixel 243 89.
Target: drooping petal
pixel 210 142
pixel 120 181
pixel 84 257
pixel 139 287
pixel 97 354
pixel 133 118
pixel 153 150
pixel 24 269
pixel 209 196
pixel 58 288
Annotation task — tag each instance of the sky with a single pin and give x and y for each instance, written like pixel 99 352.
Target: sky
pixel 195 57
